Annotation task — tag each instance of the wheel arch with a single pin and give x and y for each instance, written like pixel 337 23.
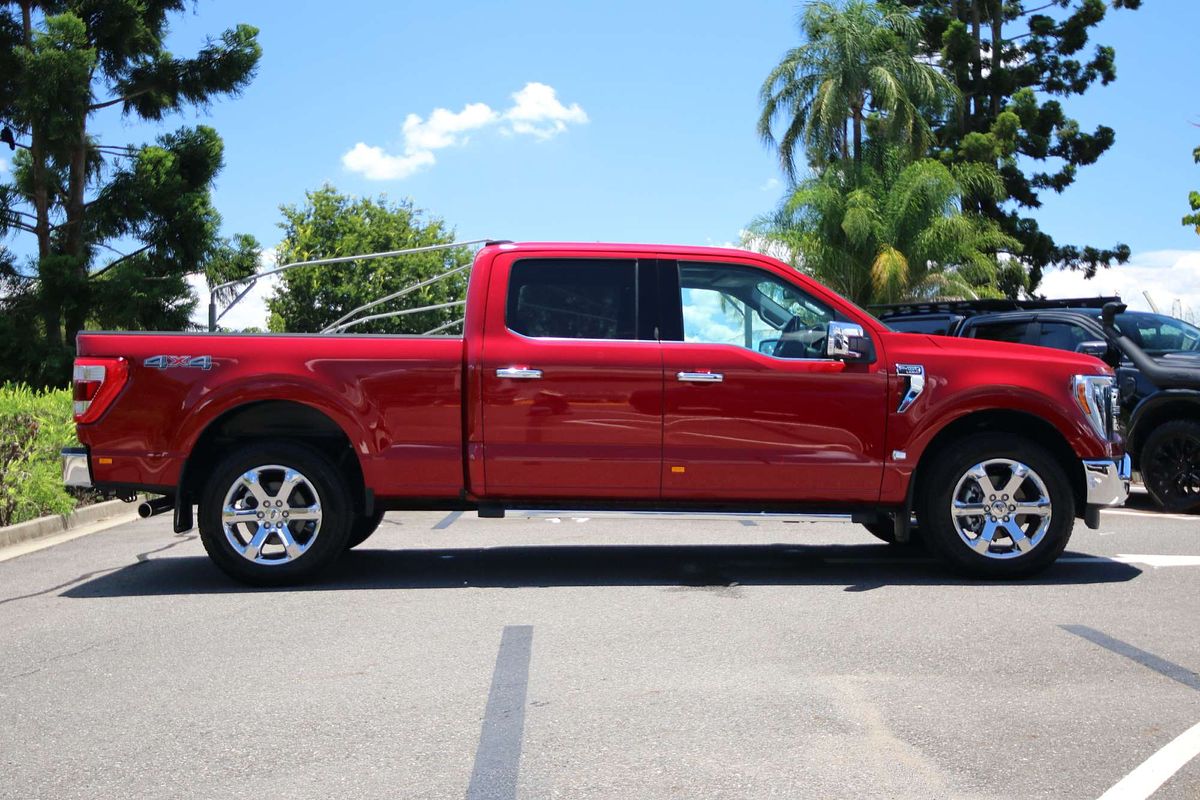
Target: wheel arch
pixel 1160 407
pixel 1016 423
pixel 269 420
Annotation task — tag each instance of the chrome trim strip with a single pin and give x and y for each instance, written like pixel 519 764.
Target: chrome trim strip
pixel 75 470
pixel 1107 480
pixel 519 373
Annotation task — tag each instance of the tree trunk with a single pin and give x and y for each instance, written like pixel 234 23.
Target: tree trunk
pixel 857 121
pixel 41 206
pixel 976 67
pixel 997 46
pixel 76 307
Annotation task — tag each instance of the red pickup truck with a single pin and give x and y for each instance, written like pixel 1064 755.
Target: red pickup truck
pixel 604 376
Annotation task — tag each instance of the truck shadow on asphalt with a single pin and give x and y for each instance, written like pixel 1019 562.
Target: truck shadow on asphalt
pixel 857 568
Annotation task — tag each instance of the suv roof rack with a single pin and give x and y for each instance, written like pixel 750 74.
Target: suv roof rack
pixel 970 307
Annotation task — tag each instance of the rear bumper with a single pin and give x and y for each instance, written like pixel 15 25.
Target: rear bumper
pixel 76 472
pixel 1107 480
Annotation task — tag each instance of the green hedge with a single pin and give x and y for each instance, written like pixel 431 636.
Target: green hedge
pixel 34 427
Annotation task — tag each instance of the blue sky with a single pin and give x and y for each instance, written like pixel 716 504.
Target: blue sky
pixel 668 151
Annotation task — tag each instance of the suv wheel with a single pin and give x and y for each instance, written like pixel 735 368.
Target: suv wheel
pixel 1170 465
pixel 274 514
pixel 997 506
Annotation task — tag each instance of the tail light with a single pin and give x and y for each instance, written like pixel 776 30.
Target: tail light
pixel 97 382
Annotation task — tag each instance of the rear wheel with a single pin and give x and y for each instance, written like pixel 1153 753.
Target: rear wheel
pixel 997 506
pixel 362 528
pixel 274 514
pixel 1170 465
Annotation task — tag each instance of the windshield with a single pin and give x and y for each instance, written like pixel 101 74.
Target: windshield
pixel 1158 333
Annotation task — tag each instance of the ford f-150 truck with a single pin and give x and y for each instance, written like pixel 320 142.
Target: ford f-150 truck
pixel 604 376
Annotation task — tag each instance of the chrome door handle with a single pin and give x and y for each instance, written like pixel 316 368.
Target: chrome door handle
pixel 700 377
pixel 520 373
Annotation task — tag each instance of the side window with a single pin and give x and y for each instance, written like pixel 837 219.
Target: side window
pixel 573 299
pixel 751 308
pixel 1062 335
pixel 1001 331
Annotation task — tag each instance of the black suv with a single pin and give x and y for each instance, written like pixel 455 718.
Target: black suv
pixel 1157 359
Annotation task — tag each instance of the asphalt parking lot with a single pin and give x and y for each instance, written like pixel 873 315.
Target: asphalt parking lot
pixel 594 657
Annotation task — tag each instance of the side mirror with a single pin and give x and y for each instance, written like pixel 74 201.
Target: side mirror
pixel 767 346
pixel 845 341
pixel 1093 348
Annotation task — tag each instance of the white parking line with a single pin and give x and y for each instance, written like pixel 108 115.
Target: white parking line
pixel 1133 512
pixel 1158 768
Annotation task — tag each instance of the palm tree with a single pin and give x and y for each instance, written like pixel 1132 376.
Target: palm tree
pixel 858 62
pixel 894 232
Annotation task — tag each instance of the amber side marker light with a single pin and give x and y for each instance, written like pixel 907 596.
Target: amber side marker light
pixel 96 382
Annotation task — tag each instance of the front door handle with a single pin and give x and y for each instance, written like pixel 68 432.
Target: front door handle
pixel 519 373
pixel 700 377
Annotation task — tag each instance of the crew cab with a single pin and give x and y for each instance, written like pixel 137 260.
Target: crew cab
pixel 1156 358
pixel 604 376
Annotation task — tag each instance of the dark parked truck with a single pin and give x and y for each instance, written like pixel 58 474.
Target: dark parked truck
pixel 604 376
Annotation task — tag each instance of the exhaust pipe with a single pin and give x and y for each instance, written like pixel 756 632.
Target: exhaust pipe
pixel 1161 375
pixel 158 505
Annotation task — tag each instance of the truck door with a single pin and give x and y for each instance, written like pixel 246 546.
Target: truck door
pixel 571 378
pixel 754 410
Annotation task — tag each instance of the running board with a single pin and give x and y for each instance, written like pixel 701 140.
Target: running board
pixel 719 516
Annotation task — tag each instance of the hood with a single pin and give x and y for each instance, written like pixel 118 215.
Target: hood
pixel 976 349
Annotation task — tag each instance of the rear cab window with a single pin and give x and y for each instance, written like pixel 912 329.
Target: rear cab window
pixel 573 298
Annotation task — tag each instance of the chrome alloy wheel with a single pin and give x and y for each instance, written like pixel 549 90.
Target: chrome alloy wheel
pixel 1001 508
pixel 271 514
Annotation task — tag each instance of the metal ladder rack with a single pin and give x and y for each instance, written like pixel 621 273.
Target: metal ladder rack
pixel 348 320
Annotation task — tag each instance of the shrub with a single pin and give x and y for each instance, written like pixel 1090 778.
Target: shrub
pixel 34 427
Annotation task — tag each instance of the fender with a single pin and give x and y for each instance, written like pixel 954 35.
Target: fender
pixel 1145 414
pixel 212 404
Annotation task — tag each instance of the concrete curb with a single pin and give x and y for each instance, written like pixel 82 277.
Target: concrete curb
pixel 116 510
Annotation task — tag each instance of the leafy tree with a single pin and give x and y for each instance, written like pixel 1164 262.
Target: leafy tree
pixel 856 64
pixel 1193 219
pixel 1012 61
pixel 114 228
pixel 330 224
pixel 891 230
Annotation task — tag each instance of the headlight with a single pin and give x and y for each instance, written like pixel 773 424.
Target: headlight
pixel 1094 396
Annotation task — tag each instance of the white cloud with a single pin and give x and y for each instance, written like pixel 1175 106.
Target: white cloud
pixel 771 185
pixel 536 111
pixel 1168 275
pixel 443 127
pixel 3 166
pixel 376 165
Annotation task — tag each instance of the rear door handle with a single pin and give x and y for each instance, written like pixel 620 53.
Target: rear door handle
pixel 519 373
pixel 700 377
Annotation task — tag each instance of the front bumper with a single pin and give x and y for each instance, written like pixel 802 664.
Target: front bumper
pixel 1107 480
pixel 76 472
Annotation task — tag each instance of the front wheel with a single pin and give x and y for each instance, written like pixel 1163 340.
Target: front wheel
pixel 274 514
pixel 362 528
pixel 997 506
pixel 1170 465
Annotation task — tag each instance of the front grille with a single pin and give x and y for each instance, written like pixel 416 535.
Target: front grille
pixel 1114 414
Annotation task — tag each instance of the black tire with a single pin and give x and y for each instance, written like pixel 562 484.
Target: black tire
pixel 1005 559
pixel 323 540
pixel 362 528
pixel 1170 466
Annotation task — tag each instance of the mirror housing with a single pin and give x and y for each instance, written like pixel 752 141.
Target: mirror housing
pixel 845 341
pixel 1095 348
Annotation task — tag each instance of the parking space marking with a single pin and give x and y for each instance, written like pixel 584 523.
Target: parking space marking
pixel 1163 667
pixel 1158 768
pixel 1134 512
pixel 448 520
pixel 1155 561
pixel 499 754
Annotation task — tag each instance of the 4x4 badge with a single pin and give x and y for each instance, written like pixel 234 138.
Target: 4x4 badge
pixel 167 362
